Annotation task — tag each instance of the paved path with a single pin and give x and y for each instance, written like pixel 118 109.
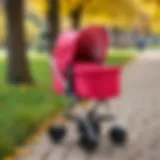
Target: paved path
pixel 138 107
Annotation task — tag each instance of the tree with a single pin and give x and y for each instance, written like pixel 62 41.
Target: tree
pixel 121 13
pixel 18 69
pixel 53 21
pixel 117 13
pixel 49 9
pixel 75 16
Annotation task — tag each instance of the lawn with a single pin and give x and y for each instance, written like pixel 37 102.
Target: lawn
pixel 120 56
pixel 23 108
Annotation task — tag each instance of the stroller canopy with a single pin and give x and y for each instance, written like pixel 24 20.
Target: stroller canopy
pixel 89 43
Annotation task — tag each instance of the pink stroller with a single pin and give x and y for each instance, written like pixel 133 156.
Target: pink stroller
pixel 79 71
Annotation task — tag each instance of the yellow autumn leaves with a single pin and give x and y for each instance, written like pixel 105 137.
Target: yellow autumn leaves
pixel 121 13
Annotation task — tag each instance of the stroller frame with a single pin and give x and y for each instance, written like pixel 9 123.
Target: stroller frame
pixel 89 125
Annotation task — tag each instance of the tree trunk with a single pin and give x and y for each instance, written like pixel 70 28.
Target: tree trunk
pixel 75 16
pixel 53 22
pixel 18 70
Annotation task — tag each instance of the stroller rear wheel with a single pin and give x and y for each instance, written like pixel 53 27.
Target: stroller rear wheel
pixel 57 133
pixel 118 135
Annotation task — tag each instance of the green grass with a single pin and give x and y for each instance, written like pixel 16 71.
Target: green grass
pixel 119 56
pixel 23 108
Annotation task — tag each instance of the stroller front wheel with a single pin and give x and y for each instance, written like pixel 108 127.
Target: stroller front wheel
pixel 118 135
pixel 57 133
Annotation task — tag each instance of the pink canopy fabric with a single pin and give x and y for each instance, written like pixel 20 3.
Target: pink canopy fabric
pixel 88 43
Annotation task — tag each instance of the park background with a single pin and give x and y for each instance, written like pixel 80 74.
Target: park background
pixel 28 30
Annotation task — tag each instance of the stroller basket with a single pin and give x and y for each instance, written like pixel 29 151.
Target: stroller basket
pixel 96 81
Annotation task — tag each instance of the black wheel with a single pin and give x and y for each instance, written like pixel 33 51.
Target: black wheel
pixel 89 135
pixel 57 133
pixel 88 144
pixel 118 135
